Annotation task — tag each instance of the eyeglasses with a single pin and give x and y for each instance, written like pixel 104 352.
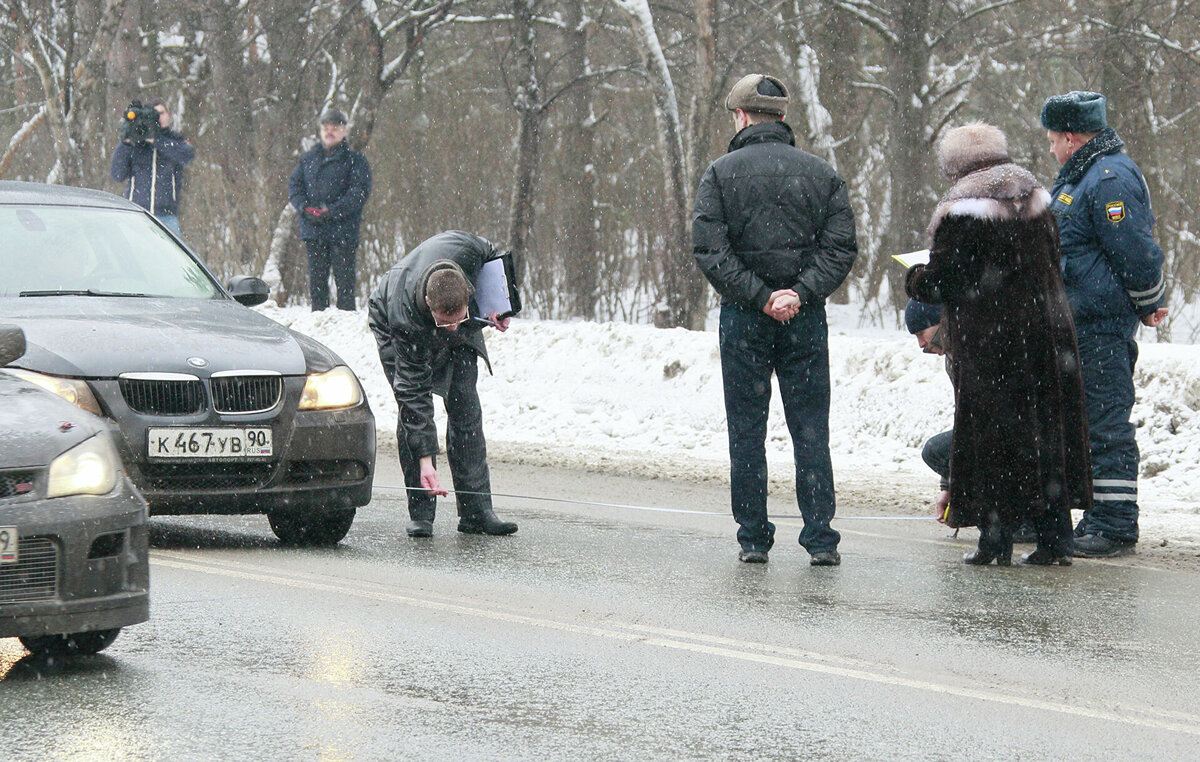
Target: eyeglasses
pixel 451 324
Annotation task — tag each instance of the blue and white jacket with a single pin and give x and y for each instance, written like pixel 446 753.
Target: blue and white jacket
pixel 1112 267
pixel 154 171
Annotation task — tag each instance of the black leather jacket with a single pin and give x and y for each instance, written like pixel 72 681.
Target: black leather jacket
pixel 414 352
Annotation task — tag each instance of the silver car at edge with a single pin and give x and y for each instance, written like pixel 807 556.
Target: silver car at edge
pixel 219 409
pixel 74 565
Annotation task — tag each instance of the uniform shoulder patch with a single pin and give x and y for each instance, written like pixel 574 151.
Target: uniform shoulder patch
pixel 1066 198
pixel 1115 211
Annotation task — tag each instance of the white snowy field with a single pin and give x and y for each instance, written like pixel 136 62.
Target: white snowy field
pixel 636 399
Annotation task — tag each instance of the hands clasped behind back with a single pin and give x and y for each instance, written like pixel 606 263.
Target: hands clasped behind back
pixel 783 305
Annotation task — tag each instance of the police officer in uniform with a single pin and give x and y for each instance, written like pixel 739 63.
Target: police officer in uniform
pixel 1112 269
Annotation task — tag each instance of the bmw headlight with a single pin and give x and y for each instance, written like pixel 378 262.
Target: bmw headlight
pixel 88 468
pixel 334 388
pixel 73 390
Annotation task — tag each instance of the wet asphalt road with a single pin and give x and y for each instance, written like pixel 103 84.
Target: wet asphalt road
pixel 618 633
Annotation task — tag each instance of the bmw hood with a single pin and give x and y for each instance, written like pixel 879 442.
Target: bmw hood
pixel 103 337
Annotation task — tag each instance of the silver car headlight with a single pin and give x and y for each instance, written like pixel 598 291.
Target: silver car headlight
pixel 89 468
pixel 73 390
pixel 334 388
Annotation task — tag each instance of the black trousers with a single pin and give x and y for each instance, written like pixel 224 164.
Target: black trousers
pixel 323 255
pixel 465 447
pixel 753 347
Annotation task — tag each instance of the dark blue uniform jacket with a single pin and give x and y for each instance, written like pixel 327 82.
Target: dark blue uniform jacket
pixel 1112 267
pixel 154 170
pixel 339 180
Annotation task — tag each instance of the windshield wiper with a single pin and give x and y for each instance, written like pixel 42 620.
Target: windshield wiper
pixel 78 292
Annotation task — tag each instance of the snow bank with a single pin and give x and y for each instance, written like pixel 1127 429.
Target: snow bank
pixel 591 391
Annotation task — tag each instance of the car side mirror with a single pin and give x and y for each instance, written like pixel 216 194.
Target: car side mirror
pixel 248 290
pixel 12 343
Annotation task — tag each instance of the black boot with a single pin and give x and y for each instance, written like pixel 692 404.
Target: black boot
pixel 1045 557
pixel 485 522
pixel 420 528
pixel 995 544
pixel 981 557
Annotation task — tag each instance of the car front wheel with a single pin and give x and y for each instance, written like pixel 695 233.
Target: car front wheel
pixel 73 643
pixel 311 527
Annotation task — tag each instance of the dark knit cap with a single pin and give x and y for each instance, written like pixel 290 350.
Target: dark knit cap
pixel 1077 111
pixel 333 116
pixel 918 316
pixel 760 94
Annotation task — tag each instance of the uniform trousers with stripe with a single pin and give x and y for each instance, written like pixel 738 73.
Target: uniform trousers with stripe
pixel 1107 362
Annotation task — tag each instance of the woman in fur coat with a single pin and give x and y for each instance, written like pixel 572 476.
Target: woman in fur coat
pixel 1020 448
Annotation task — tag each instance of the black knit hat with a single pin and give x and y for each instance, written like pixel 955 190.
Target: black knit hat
pixel 760 94
pixel 1077 111
pixel 918 315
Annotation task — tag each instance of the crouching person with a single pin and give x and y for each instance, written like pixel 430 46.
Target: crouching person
pixel 429 342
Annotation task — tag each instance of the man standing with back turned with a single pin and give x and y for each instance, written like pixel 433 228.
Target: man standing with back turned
pixel 1112 269
pixel 774 234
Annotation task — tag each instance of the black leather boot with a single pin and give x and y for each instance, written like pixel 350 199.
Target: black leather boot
pixel 420 528
pixel 981 557
pixel 485 522
pixel 1045 557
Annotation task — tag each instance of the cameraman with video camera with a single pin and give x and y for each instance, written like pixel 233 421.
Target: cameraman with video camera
pixel 151 157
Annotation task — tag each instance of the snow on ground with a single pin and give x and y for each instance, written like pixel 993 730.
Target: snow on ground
pixel 636 399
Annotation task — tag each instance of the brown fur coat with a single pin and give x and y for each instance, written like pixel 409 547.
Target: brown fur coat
pixel 1020 428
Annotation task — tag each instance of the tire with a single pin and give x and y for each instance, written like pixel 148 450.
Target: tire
pixel 311 528
pixel 73 643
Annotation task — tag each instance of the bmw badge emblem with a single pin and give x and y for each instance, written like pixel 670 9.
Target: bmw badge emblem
pixel 197 362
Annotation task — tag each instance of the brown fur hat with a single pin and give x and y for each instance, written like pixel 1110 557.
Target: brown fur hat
pixel 973 146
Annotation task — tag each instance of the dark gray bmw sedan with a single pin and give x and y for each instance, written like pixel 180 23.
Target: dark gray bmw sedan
pixel 74 565
pixel 219 409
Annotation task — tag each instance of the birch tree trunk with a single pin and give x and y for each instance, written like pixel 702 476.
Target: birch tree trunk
pixel 681 289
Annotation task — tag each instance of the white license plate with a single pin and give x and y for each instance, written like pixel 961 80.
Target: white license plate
pixel 8 545
pixel 209 443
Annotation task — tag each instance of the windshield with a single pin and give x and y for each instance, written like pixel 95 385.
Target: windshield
pixel 48 250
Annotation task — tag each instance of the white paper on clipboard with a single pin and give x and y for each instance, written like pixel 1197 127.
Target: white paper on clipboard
pixel 491 289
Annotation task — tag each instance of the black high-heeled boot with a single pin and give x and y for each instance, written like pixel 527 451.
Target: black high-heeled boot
pixel 1045 557
pixel 995 544
pixel 981 557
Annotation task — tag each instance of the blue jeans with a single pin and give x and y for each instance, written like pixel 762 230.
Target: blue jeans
pixel 936 454
pixel 171 221
pixel 753 346
pixel 1107 361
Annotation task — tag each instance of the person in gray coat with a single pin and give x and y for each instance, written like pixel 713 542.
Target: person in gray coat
pixel 774 234
pixel 430 339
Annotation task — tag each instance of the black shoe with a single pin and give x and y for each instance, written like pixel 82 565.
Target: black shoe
pixel 418 528
pixel 1099 546
pixel 1043 557
pixel 825 558
pixel 485 522
pixel 753 556
pixel 980 557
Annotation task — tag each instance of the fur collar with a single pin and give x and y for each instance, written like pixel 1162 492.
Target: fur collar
pixel 999 192
pixel 1082 160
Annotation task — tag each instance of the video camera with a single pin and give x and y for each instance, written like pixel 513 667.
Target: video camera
pixel 140 123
